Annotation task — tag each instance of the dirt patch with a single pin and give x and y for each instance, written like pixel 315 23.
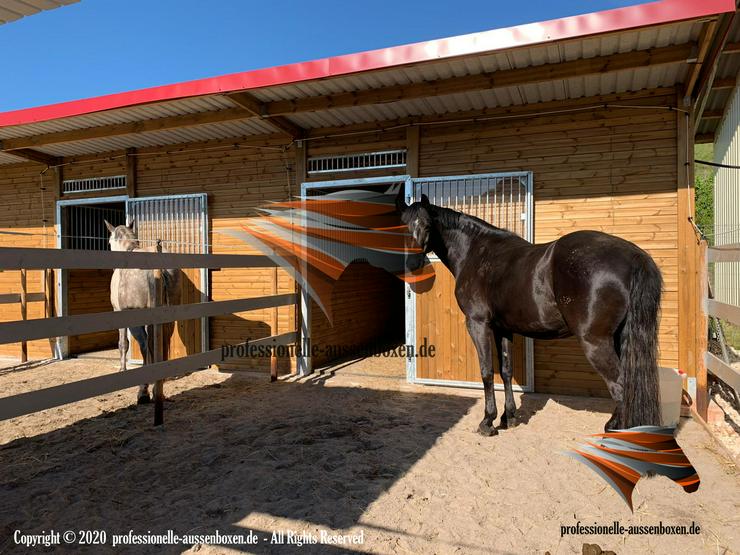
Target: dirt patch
pixel 345 453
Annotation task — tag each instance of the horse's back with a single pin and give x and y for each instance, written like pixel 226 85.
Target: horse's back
pixel 591 277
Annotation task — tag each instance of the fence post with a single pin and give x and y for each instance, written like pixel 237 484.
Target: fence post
pixel 24 313
pixel 702 331
pixel 158 347
pixel 273 354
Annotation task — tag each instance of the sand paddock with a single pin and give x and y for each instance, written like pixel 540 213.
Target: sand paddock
pixel 344 453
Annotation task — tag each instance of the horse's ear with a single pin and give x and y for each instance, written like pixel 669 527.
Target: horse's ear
pixel 424 200
pixel 110 226
pixel 400 199
pixel 131 224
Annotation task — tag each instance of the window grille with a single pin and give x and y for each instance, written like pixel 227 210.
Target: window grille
pixel 358 161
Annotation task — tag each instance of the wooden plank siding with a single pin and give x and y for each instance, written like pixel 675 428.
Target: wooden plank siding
pixel 25 206
pixel 237 182
pixel 89 292
pixel 613 170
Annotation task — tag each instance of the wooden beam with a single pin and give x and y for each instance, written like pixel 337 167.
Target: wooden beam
pixel 131 163
pixel 708 33
pixel 412 151
pixel 257 108
pixel 485 81
pixel 59 184
pixel 706 78
pixel 55 396
pixel 704 138
pixel 33 155
pixel 712 114
pixel 42 328
pixel 24 313
pixel 12 258
pixel 159 124
pixel 731 48
pixel 724 83
pixel 702 330
pixel 687 246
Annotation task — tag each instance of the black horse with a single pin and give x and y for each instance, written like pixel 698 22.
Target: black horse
pixel 600 288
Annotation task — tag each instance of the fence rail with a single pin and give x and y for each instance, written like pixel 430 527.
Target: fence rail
pixel 154 372
pixel 707 363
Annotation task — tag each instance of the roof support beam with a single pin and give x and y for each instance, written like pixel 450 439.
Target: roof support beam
pixel 731 48
pixel 484 81
pixel 704 138
pixel 705 42
pixel 724 83
pixel 712 114
pixel 35 156
pixel 704 84
pixel 257 108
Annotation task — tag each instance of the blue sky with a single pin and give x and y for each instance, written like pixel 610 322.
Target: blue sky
pixel 104 46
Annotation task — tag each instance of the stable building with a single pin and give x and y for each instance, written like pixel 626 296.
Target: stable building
pixel 586 122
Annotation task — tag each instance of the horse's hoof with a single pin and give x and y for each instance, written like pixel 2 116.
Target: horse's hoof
pixel 508 423
pixel 143 400
pixel 486 430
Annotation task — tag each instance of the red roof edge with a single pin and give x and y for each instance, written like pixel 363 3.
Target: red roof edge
pixel 641 15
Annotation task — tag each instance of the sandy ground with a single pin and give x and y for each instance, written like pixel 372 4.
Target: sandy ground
pixel 338 452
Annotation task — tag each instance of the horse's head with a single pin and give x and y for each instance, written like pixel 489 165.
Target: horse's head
pixel 122 237
pixel 419 221
pixel 418 218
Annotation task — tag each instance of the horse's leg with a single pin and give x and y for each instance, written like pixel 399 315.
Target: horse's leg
pixel 141 336
pixel 506 368
pixel 601 353
pixel 123 347
pixel 482 336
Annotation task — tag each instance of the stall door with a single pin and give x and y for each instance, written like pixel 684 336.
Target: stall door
pixel 181 222
pixel 434 317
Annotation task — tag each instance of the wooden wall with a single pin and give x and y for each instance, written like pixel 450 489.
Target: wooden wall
pixel 88 292
pixel 611 170
pixel 25 206
pixel 368 313
pixel 237 181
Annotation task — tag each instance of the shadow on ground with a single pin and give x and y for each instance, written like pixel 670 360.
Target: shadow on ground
pixel 291 450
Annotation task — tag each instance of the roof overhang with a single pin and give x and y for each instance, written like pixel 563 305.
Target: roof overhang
pixel 12 10
pixel 645 46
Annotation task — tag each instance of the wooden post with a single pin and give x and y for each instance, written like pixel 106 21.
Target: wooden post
pixel 412 150
pixel 158 346
pixel 24 313
pixel 48 287
pixel 131 172
pixel 687 249
pixel 302 307
pixel 59 181
pixel 273 354
pixel 702 330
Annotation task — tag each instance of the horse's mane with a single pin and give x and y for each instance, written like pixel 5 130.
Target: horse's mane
pixel 453 219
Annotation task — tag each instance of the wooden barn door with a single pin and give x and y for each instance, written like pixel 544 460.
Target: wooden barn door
pixel 181 222
pixel 504 200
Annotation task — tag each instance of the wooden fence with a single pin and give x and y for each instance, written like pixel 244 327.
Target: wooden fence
pixel 707 362
pixel 26 330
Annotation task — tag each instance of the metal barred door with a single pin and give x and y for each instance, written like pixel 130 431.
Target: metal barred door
pixel 181 223
pixel 501 199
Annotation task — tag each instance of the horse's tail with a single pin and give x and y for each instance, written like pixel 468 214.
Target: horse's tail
pixel 638 362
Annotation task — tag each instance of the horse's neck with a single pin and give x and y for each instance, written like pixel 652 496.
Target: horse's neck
pixel 451 245
pixel 454 241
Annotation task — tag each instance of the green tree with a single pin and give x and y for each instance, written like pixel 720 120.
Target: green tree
pixel 704 191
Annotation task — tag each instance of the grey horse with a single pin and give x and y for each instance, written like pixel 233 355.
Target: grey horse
pixel 135 288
